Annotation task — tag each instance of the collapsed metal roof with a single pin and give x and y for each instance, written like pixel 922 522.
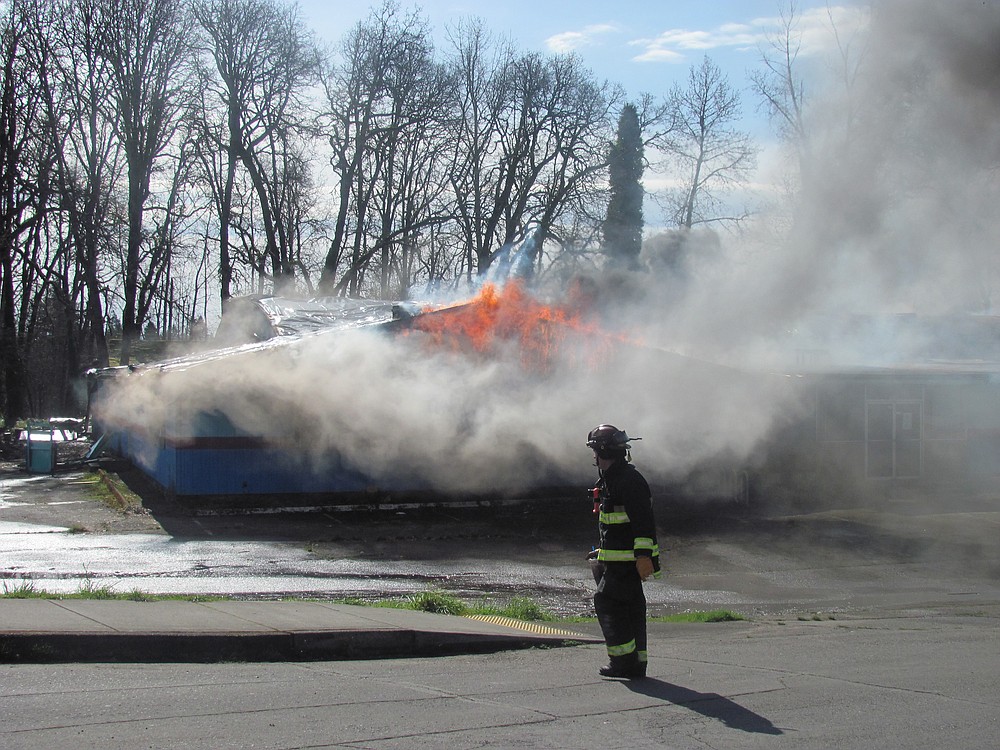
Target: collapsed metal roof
pixel 258 318
pixel 258 324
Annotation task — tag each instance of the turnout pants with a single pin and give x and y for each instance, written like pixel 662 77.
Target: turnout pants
pixel 621 611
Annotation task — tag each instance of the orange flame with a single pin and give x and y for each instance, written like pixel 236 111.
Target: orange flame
pixel 497 316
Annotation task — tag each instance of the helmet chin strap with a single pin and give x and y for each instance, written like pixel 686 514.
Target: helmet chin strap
pixel 610 461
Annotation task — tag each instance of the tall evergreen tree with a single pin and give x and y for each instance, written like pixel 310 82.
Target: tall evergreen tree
pixel 623 223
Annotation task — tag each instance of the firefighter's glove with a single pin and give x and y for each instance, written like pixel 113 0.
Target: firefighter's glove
pixel 644 565
pixel 592 555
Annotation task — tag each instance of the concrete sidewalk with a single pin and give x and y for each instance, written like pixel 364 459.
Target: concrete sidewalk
pixel 920 680
pixel 70 630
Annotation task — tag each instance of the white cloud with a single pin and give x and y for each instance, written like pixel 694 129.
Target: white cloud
pixel 589 36
pixel 814 27
pixel 671 45
pixel 660 54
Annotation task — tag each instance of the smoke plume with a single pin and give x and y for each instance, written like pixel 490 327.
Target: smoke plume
pixel 893 213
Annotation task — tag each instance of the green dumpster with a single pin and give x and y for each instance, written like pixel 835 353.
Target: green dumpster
pixel 40 451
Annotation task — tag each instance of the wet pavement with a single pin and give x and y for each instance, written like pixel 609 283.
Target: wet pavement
pixel 57 535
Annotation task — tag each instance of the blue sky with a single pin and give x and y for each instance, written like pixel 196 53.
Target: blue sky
pixel 645 45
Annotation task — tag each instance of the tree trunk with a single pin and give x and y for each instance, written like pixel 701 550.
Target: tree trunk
pixel 131 326
pixel 15 387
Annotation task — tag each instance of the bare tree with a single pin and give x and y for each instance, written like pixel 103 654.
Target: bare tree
pixel 90 160
pixel 582 127
pixel 411 144
pixel 27 155
pixel 385 102
pixel 779 84
pixel 166 232
pixel 518 140
pixel 146 44
pixel 480 62
pixel 216 175
pixel 711 156
pixel 263 59
pixel 291 191
pixel 353 86
pixel 530 143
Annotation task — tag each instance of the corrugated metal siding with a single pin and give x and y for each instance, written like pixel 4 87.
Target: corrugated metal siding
pixel 254 471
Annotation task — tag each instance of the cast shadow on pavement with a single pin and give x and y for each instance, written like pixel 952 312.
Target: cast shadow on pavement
pixel 712 705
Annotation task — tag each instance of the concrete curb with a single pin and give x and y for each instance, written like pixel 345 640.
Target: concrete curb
pixel 57 631
pixel 47 648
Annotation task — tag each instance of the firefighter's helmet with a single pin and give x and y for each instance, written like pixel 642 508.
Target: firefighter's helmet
pixel 608 441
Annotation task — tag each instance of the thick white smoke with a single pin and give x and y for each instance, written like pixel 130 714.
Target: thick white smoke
pixel 401 406
pixel 893 214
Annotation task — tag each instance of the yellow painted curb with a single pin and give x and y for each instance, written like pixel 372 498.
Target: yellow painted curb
pixel 531 627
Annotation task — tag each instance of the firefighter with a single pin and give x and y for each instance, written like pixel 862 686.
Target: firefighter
pixel 628 552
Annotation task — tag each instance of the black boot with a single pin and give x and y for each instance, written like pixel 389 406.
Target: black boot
pixel 627 669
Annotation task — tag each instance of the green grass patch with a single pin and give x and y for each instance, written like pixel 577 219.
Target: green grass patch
pixel 110 490
pixel 430 601
pixel 23 590
pixel 518 608
pixel 90 590
pixel 93 591
pixel 96 489
pixel 523 608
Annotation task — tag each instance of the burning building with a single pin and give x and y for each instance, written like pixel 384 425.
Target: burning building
pixel 478 400
pixel 487 399
pixel 893 212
